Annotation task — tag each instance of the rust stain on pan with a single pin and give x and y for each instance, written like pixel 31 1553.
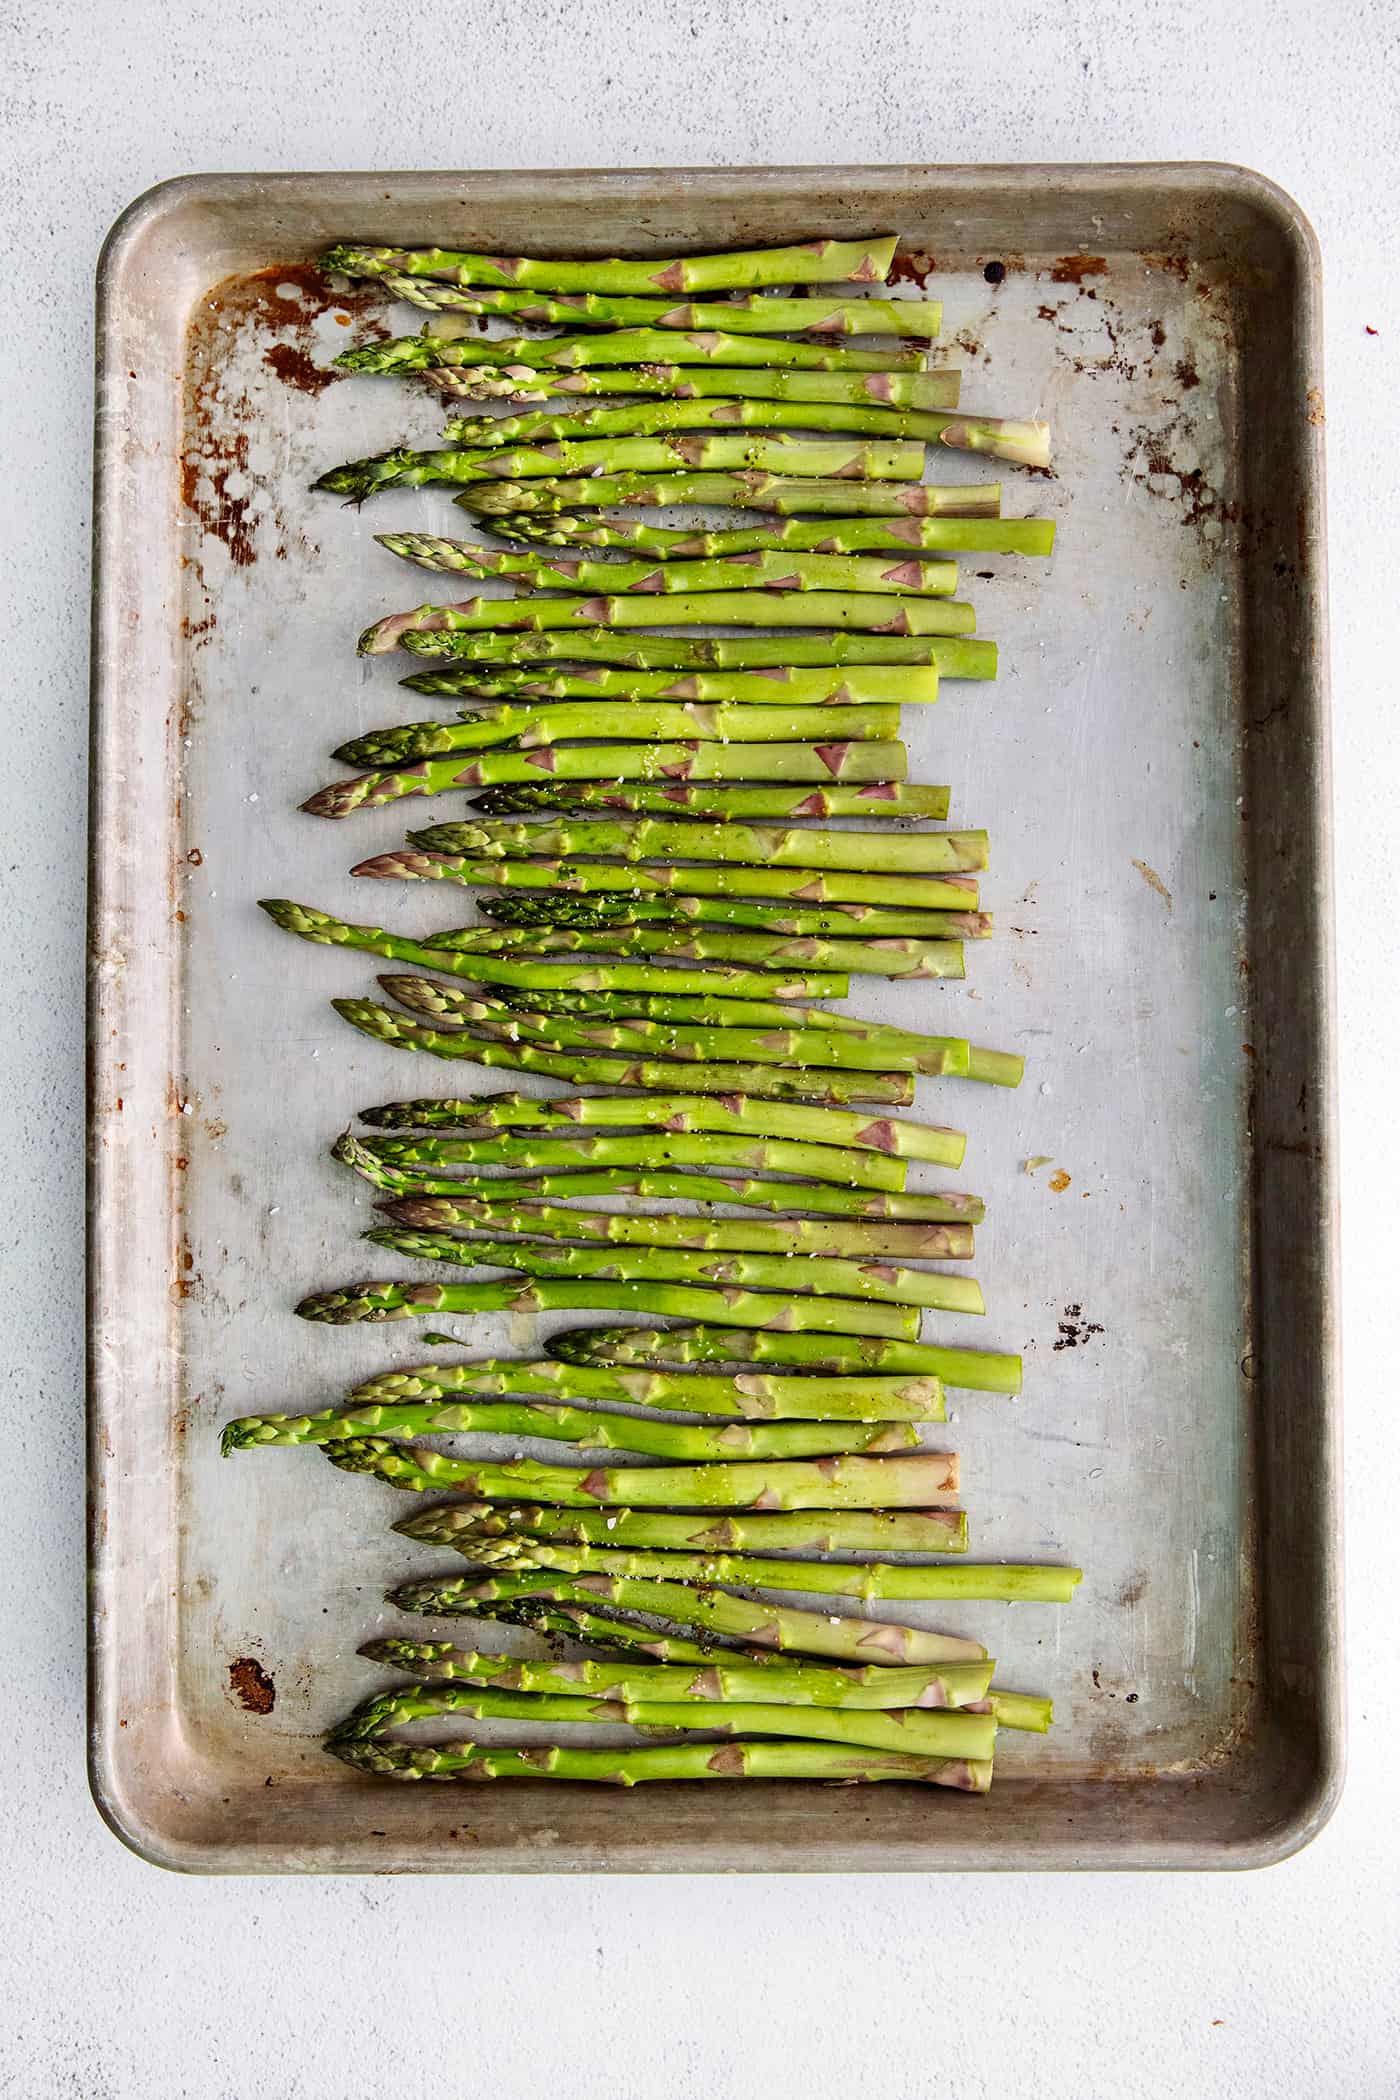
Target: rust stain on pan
pixel 251 1686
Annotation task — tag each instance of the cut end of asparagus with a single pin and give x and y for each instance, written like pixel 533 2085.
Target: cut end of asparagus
pixel 995 1067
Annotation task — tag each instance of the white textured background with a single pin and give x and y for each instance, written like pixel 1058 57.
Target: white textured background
pixel 116 1980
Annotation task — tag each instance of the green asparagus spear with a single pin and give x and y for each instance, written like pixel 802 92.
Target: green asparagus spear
pixel 424 627
pixel 905 852
pixel 946 536
pixel 857 686
pixel 892 389
pixel 772 1682
pixel 833 923
pixel 746 1398
pixel 570 1425
pixel 953 656
pixel 476 1045
pixel 754 314
pixel 377 1301
pixel 746 488
pixel 797 888
pixel 797 572
pixel 814 262
pixel 881 1144
pixel 882 1282
pixel 831 1483
pixel 999 1583
pixel 776 453
pixel 530 728
pixel 312 925
pixel 766 1624
pixel 620 346
pixel 833 1531
pixel 897 956
pixel 978 1370
pixel 833 1762
pixel 1023 443
pixel 688 761
pixel 919 1734
pixel 723 803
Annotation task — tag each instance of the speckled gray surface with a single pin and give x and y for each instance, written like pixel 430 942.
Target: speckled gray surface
pixel 120 1981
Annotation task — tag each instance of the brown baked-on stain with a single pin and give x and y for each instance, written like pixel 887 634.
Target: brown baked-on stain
pixel 251 1686
pixel 1073 269
pixel 1185 374
pixel 914 266
pixel 295 368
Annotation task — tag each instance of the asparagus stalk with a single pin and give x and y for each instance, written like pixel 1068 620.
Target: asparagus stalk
pixel 893 957
pixel 885 798
pixel 858 686
pixel 891 388
pixel 312 925
pixel 837 1531
pixel 820 1054
pixel 377 1301
pixel 978 1370
pixel 796 887
pixel 873 610
pixel 737 1133
pixel 765 1624
pixel 831 1483
pixel 814 262
pixel 529 728
pixel 746 488
pixel 903 852
pixel 688 761
pixel 881 1282
pixel 760 1398
pixel 1023 443
pixel 920 1734
pixel 720 1679
pixel 833 1762
pixel 621 346
pixel 777 453
pixel 771 572
pixel 836 922
pixel 480 1046
pixel 997 1584
pixel 754 314
pixel 953 656
pixel 786 1236
pixel 569 1425
pixel 622 1639
pixel 946 536
pixel 777 1197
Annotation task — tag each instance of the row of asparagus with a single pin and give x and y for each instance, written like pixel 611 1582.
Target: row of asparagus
pixel 667 782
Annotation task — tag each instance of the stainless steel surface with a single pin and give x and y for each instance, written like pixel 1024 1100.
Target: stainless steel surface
pixel 1153 766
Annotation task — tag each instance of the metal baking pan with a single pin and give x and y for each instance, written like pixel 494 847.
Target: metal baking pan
pixel 1154 766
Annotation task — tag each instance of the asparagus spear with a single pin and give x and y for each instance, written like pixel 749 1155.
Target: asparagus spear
pixel 947 536
pixel 955 656
pixel 621 346
pixel 882 1282
pixel 796 887
pixel 777 1197
pixel 885 798
pixel 786 1236
pixel 721 1678
pixel 569 1425
pixel 895 389
pixel 978 1370
pixel 378 1301
pixel 871 610
pixel 751 1398
pixel 836 1531
pixel 312 925
pixel 836 922
pixel 778 686
pixel 797 572
pixel 765 1624
pixel 998 1584
pixel 1023 443
pixel 529 728
pixel 821 1054
pixel 777 453
pixel 732 1760
pixel 754 314
pixel 921 1734
pixel 831 1483
pixel 747 488
pixel 894 957
pixel 717 1133
pixel 906 852
pixel 619 1636
pixel 688 761
pixel 482 1047
pixel 814 262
